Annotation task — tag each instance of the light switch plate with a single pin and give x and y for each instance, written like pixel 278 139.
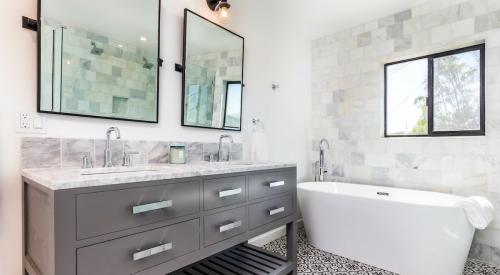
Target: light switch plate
pixel 38 122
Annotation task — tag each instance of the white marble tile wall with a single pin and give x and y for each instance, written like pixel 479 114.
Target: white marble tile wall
pixel 68 153
pixel 347 98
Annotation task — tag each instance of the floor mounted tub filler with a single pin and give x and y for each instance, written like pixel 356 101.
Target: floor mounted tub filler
pixel 408 232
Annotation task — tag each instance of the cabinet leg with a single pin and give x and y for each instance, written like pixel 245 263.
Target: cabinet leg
pixel 291 244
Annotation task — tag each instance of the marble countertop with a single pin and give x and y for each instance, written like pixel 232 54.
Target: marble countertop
pixel 60 178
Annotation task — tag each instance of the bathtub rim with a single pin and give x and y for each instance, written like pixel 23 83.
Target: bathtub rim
pixel 381 198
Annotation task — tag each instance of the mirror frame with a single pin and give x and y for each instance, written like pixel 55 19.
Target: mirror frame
pixel 39 70
pixel 184 57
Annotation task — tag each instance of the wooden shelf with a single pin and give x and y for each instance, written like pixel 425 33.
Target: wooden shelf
pixel 242 259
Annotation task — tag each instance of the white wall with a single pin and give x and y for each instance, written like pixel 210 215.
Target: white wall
pixel 273 54
pixel 278 51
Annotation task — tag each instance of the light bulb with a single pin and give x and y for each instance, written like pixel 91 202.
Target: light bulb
pixel 224 12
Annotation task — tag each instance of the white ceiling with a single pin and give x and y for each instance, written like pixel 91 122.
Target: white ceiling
pixel 321 17
pixel 124 21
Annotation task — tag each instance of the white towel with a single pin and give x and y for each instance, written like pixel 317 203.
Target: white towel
pixel 259 146
pixel 479 211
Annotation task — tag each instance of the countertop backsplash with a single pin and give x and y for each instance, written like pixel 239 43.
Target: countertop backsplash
pixel 45 152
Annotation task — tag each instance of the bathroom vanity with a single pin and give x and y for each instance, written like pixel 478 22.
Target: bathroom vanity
pixel 188 219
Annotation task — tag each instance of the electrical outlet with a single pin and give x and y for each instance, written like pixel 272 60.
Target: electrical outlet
pixel 31 123
pixel 24 121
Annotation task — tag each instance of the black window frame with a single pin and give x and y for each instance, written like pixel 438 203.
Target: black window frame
pixel 430 98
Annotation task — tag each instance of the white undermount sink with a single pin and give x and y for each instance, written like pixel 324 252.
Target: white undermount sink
pixel 244 163
pixel 117 170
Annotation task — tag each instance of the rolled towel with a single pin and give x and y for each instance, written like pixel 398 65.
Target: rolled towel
pixel 479 211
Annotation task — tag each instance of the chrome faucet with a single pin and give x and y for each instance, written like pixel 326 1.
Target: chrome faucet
pixel 107 152
pixel 127 158
pixel 322 169
pixel 220 156
pixel 86 161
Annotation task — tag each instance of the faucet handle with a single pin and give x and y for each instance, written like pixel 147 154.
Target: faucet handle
pixel 86 161
pixel 213 157
pixel 127 158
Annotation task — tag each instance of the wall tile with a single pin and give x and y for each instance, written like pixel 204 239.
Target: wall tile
pixel 338 171
pixel 386 21
pixel 195 151
pixel 402 44
pixel 357 159
pixel 463 28
pixel 68 153
pixel 141 148
pixel 73 151
pixel 353 119
pixel 237 152
pixel 402 16
pixel 364 39
pixel 381 176
pixel 441 33
pixel 210 149
pixel 395 31
pixel 159 152
pixel 40 153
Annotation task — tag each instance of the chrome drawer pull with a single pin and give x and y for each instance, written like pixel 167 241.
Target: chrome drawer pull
pixel 152 251
pixel 275 184
pixel 273 212
pixel 230 226
pixel 231 192
pixel 151 207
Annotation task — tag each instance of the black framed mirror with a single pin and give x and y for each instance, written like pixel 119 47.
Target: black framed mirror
pixel 99 58
pixel 212 82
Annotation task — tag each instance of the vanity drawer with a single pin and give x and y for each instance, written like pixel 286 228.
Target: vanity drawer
pixel 223 192
pixel 139 252
pixel 111 211
pixel 269 211
pixel 267 184
pixel 225 225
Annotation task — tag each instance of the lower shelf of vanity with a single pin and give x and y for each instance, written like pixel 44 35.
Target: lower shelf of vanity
pixel 244 259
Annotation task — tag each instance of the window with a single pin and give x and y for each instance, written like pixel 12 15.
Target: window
pixel 232 115
pixel 436 95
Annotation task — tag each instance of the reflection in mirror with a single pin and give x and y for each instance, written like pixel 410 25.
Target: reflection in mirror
pixel 213 75
pixel 99 58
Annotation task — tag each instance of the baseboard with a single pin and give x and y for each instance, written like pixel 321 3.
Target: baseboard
pixel 270 236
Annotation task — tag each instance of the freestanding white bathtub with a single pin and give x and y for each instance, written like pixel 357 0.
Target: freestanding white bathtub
pixel 404 231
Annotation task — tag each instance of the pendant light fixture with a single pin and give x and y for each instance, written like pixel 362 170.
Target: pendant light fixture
pixel 220 6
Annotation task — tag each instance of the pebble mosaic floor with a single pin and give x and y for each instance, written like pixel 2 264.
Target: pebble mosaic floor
pixel 312 261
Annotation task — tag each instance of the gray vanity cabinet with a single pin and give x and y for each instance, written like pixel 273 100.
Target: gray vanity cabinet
pixel 113 257
pixel 223 192
pixel 268 211
pixel 111 211
pixel 158 227
pixel 224 225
